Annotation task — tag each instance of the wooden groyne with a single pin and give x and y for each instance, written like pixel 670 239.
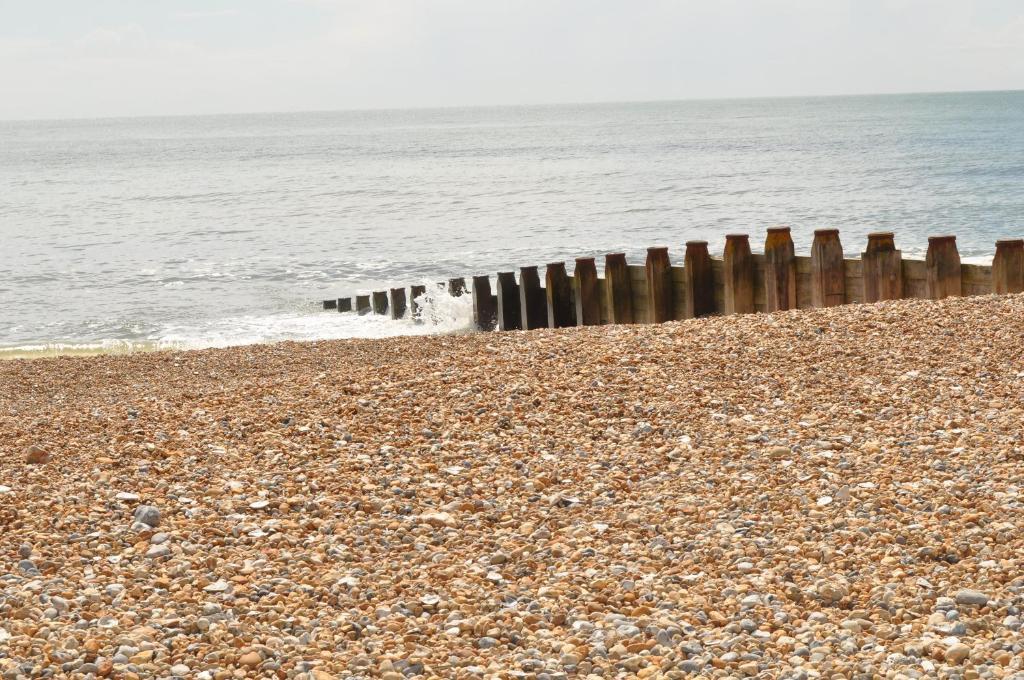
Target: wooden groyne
pixel 740 282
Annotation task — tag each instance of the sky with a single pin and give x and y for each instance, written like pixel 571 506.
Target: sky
pixel 105 58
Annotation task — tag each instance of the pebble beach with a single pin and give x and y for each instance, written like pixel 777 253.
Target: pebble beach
pixel 817 494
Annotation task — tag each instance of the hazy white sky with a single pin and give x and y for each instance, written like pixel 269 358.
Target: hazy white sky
pixel 86 58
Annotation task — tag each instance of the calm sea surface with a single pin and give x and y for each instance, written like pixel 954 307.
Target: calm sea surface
pixel 200 231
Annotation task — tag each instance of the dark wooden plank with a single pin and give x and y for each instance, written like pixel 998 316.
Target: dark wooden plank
pixel 779 270
pixel 485 314
pixel 659 285
pixel 363 304
pixel 618 289
pixel 943 268
pixel 331 304
pixel 415 293
pixel 380 302
pixel 532 302
pixel 588 301
pixel 509 310
pixel 345 304
pixel 1008 267
pixel 699 291
pixel 738 275
pixel 396 302
pixel 828 273
pixel 561 312
pixel 457 287
pixel 882 267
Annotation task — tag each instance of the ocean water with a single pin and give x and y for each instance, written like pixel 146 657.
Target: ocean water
pixel 221 230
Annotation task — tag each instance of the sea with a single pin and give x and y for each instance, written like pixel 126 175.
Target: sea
pixel 209 231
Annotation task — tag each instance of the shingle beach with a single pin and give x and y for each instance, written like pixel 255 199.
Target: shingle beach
pixel 831 493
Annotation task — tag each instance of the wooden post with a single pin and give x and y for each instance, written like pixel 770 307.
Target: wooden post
pixel 559 296
pixel 828 273
pixel 659 285
pixel 883 268
pixel 345 304
pixel 1008 267
pixel 779 270
pixel 363 304
pixel 738 270
pixel 331 304
pixel 533 305
pixel 943 266
pixel 588 304
pixel 457 287
pixel 380 302
pixel 396 303
pixel 509 316
pixel 700 281
pixel 618 289
pixel 414 306
pixel 484 304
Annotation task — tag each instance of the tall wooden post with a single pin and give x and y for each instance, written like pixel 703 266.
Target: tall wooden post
pixel 618 289
pixel 828 272
pixel 363 304
pixel 943 266
pixel 588 304
pixel 397 302
pixel 345 304
pixel 779 270
pixel 738 272
pixel 559 296
pixel 659 285
pixel 380 302
pixel 883 268
pixel 457 287
pixel 1008 267
pixel 415 292
pixel 533 305
pixel 700 281
pixel 509 311
pixel 484 304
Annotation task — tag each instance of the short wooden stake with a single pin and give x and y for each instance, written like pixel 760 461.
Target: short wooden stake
pixel 331 304
pixel 558 288
pixel 380 302
pixel 457 287
pixel 828 272
pixel 659 285
pixel 588 304
pixel 345 304
pixel 396 302
pixel 882 268
pixel 738 272
pixel 484 304
pixel 700 280
pixel 532 302
pixel 415 308
pixel 779 270
pixel 943 266
pixel 1008 267
pixel 509 317
pixel 618 289
pixel 363 304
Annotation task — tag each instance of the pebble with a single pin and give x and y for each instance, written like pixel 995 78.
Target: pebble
pixel 972 597
pixel 148 515
pixel 36 455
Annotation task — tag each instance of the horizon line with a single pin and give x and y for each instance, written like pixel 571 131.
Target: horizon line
pixel 389 109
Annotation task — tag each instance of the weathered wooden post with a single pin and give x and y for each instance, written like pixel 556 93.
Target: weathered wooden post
pixel 883 268
pixel 1008 267
pixel 659 284
pixel 618 289
pixel 331 304
pixel 484 304
pixel 700 281
pixel 396 303
pixel 588 304
pixel 380 302
pixel 738 273
pixel 363 304
pixel 457 287
pixel 532 302
pixel 779 270
pixel 415 293
pixel 345 304
pixel 943 266
pixel 559 296
pixel 828 273
pixel 509 314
